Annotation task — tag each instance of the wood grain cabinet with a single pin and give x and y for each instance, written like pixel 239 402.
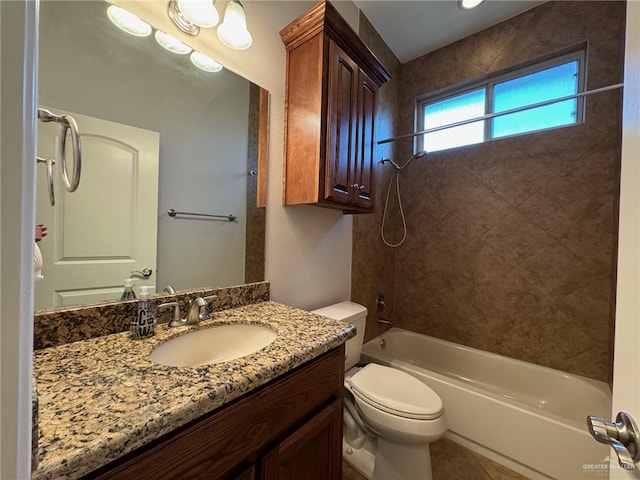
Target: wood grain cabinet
pixel 331 99
pixel 289 429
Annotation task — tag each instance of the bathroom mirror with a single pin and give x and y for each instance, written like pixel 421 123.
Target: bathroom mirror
pixel 157 134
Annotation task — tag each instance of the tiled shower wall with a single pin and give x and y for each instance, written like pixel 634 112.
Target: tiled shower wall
pixel 511 244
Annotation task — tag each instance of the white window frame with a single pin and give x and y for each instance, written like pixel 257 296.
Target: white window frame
pixel 489 81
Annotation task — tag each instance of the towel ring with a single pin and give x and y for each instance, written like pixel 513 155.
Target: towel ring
pixel 50 163
pixel 70 124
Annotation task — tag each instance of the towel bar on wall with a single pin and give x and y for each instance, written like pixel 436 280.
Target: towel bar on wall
pixel 173 213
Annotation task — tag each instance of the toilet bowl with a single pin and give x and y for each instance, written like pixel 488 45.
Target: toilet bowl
pixel 390 417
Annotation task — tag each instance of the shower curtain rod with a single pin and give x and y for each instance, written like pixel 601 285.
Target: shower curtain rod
pixel 506 112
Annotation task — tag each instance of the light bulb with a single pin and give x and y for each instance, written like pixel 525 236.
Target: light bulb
pixel 199 12
pixel 469 4
pixel 171 43
pixel 205 63
pixel 233 31
pixel 128 22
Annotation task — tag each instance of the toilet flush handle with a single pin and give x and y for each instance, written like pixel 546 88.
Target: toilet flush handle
pixel 623 436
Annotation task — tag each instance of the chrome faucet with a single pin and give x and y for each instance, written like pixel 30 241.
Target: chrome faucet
pixel 175 321
pixel 198 310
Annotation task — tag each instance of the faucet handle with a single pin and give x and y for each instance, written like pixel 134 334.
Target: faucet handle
pixel 175 321
pixel 206 315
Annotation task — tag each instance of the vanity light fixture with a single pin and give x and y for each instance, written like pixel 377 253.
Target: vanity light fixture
pixel 469 4
pixel 171 43
pixel 128 22
pixel 190 15
pixel 233 31
pixel 205 63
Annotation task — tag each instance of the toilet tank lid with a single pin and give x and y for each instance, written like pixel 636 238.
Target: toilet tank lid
pixel 343 311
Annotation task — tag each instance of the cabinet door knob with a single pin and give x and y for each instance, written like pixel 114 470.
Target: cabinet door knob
pixel 361 187
pixel 356 186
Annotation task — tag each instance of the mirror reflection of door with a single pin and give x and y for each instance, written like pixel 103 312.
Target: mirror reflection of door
pixel 106 229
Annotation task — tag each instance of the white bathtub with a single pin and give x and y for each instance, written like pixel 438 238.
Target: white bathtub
pixel 527 417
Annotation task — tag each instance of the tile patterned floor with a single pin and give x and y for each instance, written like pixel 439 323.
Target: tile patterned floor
pixel 450 461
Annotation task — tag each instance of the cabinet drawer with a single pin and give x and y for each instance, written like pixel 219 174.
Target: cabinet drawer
pixel 215 445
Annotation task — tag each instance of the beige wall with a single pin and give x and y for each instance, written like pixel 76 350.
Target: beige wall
pixel 511 244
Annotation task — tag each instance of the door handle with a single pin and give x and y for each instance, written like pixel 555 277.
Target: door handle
pixel 145 273
pixel 622 436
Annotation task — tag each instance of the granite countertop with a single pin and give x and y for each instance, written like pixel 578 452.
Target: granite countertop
pixel 102 398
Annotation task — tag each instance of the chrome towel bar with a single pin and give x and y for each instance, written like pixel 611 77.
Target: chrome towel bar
pixel 173 213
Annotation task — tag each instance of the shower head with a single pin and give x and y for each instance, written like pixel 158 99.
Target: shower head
pixel 394 164
pixel 399 168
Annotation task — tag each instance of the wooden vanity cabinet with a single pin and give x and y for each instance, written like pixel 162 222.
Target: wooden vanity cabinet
pixel 289 429
pixel 331 100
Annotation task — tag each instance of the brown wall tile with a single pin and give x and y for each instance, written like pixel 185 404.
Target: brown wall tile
pixel 511 244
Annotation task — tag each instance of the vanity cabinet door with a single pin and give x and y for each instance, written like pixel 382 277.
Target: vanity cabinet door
pixel 313 452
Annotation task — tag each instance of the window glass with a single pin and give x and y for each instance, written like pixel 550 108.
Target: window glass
pixel 555 82
pixel 500 92
pixel 451 110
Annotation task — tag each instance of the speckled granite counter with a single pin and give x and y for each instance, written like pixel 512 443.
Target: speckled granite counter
pixel 102 398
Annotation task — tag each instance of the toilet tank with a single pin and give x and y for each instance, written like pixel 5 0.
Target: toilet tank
pixel 354 314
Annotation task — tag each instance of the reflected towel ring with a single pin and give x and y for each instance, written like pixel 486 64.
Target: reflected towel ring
pixel 50 163
pixel 66 122
pixel 69 123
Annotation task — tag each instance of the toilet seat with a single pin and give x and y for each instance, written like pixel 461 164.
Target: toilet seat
pixel 395 392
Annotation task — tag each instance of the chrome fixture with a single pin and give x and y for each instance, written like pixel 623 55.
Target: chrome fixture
pixel 67 124
pixel 381 307
pixel 50 163
pixel 198 310
pixel 191 15
pixel 169 289
pixel 175 321
pixel 145 273
pixel 173 213
pixel 623 436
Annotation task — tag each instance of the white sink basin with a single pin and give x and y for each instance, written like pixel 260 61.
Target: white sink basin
pixel 213 345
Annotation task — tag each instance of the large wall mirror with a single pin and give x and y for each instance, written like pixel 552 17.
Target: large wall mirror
pixel 157 134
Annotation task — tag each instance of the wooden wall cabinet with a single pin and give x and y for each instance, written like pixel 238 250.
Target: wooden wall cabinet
pixel 331 100
pixel 289 429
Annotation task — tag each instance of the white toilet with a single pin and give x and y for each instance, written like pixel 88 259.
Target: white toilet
pixel 390 417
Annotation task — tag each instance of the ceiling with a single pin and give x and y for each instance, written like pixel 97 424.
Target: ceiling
pixel 414 28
